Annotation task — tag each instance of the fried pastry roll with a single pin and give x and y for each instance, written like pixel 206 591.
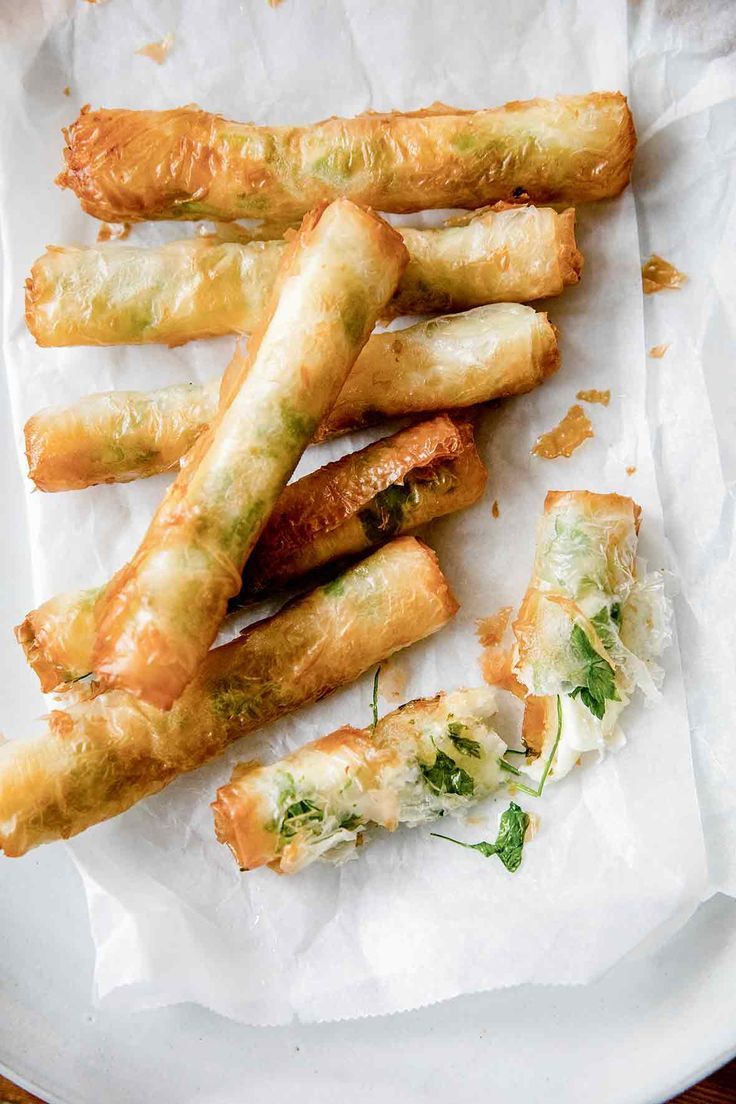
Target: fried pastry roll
pixel 428 758
pixel 114 294
pixel 186 163
pixel 163 609
pixel 446 363
pixel 100 756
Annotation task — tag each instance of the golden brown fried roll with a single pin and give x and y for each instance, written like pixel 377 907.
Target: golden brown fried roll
pixel 101 756
pixel 387 488
pixel 163 609
pixel 116 436
pixel 120 294
pixel 390 487
pixel 189 164
pixel 446 363
pixel 429 758
pixel 449 362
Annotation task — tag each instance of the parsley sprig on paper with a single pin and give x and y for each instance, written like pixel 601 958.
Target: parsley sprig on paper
pixel 509 843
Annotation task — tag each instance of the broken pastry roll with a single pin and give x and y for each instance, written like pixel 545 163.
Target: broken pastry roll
pixel 186 163
pixel 589 629
pixel 429 758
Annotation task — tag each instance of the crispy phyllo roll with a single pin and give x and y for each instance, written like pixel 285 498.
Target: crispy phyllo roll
pixel 100 756
pixel 428 758
pixel 189 164
pixel 446 363
pixel 119 294
pixel 163 609
pixel 117 436
pixel 364 499
pixel 589 629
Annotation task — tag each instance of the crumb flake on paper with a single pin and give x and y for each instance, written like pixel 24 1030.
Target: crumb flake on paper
pixel 657 274
pixel 490 630
pixel 113 231
pixel 158 51
pixel 568 435
pixel 658 351
pixel 593 396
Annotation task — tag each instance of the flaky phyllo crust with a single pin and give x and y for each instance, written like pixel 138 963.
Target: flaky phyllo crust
pixel 359 501
pixel 588 630
pixel 389 487
pixel 163 608
pixel 188 164
pixel 104 753
pixel 322 801
pixel 446 363
pixel 114 294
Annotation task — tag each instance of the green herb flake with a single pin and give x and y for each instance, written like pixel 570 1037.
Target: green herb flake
pixel 463 744
pixel 600 679
pixel 335 588
pixel 383 516
pixel 446 777
pixel 509 844
pixel 300 815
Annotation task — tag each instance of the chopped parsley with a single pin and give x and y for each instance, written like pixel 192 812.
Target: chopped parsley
pixel 605 625
pixel 383 516
pixel 446 777
pixel 300 815
pixel 509 844
pixel 600 679
pixel 463 744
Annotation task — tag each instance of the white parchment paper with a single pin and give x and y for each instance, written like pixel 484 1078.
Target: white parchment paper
pixel 619 854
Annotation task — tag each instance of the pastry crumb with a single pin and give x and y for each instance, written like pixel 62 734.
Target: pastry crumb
pixel 158 51
pixel 593 396
pixel 494 509
pixel 657 274
pixel 490 630
pixel 572 431
pixel 630 471
pixel 66 90
pixel 658 351
pixel 113 231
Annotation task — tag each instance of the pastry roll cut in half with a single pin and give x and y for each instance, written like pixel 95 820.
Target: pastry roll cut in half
pixel 588 631
pixel 99 756
pixel 428 758
pixel 163 609
pixel 189 164
pixel 115 294
pixel 361 500
pixel 446 363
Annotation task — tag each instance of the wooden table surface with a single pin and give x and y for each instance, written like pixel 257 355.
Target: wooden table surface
pixel 720 1088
